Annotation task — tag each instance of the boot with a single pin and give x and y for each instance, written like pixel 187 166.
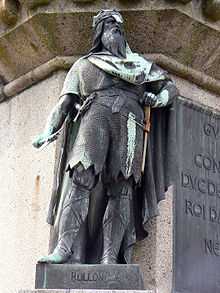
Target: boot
pixel 72 228
pixel 118 220
pixel 115 223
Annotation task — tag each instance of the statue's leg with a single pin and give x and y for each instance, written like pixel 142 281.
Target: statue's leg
pixel 73 222
pixel 116 221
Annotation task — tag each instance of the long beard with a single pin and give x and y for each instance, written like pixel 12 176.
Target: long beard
pixel 115 43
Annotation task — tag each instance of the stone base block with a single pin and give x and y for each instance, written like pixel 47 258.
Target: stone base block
pixel 68 276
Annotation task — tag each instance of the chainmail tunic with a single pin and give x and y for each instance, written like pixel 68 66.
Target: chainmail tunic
pixel 110 136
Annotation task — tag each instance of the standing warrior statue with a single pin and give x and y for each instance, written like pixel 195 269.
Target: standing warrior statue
pixel 97 202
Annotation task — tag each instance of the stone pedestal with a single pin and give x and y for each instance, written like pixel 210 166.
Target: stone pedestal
pixel 67 276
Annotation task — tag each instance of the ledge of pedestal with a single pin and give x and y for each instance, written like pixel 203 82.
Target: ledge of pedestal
pixel 84 291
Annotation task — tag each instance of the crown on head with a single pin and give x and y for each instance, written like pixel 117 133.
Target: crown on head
pixel 103 14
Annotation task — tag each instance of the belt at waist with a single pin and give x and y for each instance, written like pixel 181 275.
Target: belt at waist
pixel 131 117
pixel 112 98
pixel 112 92
pixel 116 99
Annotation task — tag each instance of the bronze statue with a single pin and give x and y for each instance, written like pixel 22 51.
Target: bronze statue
pixel 103 190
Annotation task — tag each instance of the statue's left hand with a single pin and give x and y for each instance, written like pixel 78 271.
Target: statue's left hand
pixel 39 141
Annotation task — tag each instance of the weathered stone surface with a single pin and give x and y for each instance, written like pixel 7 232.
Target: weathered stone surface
pixel 34 3
pixel 26 180
pixel 155 253
pixel 211 9
pixel 45 36
pixel 9 11
pixel 47 33
pixel 83 1
pixel 118 277
pixel 85 291
pixel 181 1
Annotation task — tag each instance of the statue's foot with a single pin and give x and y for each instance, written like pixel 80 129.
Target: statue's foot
pixel 108 261
pixel 54 258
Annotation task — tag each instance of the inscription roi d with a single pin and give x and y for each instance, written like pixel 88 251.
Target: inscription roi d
pixel 200 210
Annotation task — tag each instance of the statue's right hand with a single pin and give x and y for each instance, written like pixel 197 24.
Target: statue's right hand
pixel 39 141
pixel 149 99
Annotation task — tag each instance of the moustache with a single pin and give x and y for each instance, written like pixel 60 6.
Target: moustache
pixel 114 43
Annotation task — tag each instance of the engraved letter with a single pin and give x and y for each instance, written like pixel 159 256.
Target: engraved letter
pixel 208 246
pixel 212 214
pixel 198 160
pixel 185 180
pixel 201 187
pixel 198 210
pixel 216 248
pixel 207 163
pixel 211 188
pixel 188 207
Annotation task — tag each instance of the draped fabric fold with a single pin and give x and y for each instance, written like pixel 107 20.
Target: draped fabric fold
pixel 161 166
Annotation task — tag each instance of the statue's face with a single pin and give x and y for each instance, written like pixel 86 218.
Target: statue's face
pixel 112 25
pixel 113 37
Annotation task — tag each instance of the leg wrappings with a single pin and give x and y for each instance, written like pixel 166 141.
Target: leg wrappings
pixel 73 223
pixel 117 218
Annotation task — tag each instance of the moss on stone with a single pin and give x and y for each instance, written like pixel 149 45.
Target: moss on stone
pixel 45 27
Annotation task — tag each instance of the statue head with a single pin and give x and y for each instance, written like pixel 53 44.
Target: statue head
pixel 109 33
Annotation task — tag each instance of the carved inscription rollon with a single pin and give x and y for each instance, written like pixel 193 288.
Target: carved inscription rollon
pixel 78 276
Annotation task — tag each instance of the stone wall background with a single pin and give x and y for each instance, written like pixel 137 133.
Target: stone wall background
pixel 26 182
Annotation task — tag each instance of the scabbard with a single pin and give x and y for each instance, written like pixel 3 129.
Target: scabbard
pixel 146 132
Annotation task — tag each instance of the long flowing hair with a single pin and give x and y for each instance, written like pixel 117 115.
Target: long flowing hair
pixel 97 43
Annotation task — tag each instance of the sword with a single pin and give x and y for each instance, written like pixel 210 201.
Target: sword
pixel 50 139
pixel 55 135
pixel 146 131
